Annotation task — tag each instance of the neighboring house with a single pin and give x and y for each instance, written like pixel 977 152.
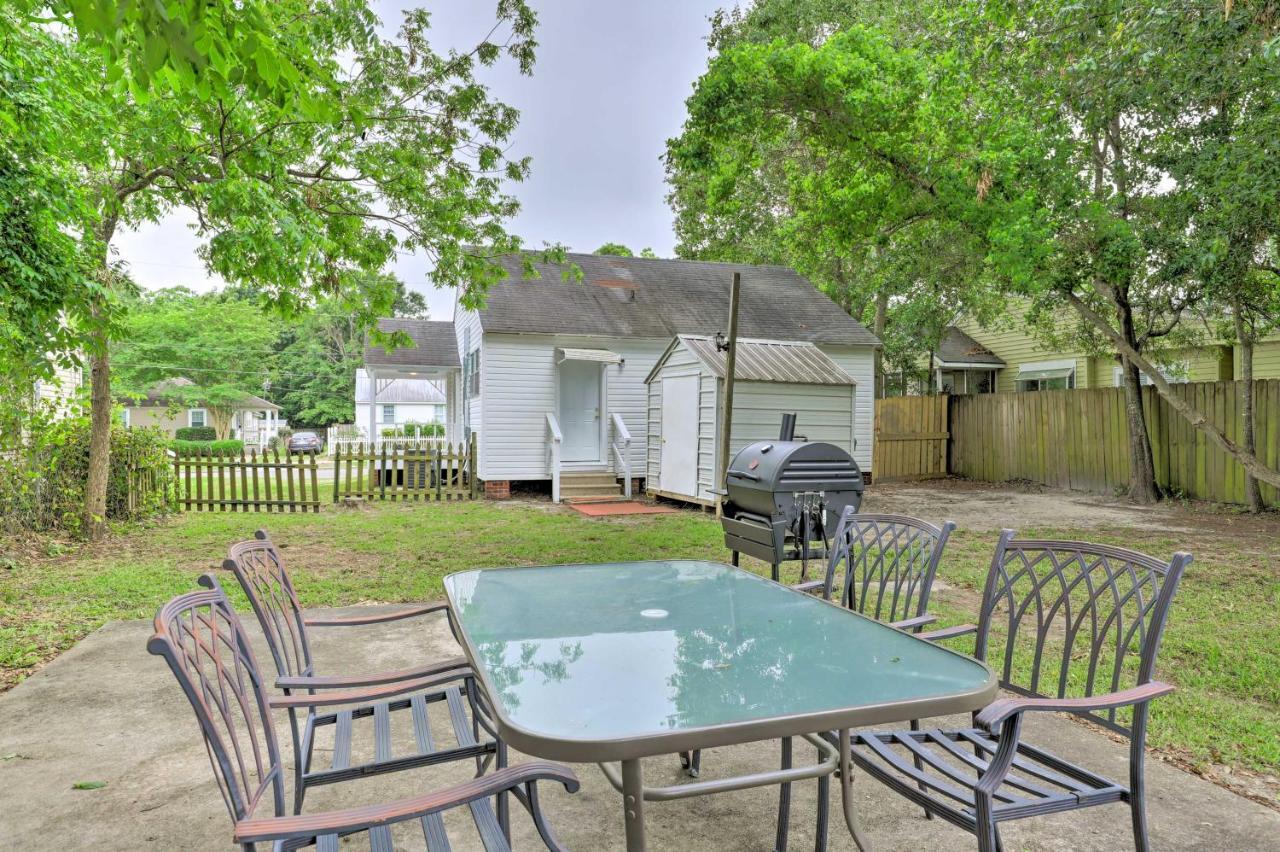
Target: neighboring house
pixel 60 391
pixel 1008 358
pixel 547 355
pixel 398 401
pixel 254 421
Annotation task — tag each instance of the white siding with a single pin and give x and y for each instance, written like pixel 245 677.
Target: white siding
pixel 61 390
pixel 518 388
pixel 682 362
pixel 857 362
pixel 406 412
pixel 465 321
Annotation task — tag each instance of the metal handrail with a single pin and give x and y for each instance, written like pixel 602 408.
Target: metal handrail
pixel 555 439
pixel 622 435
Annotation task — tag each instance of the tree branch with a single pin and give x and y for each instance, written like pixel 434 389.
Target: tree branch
pixel 1247 460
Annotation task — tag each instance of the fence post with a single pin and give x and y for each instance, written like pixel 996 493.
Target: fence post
pixel 471 464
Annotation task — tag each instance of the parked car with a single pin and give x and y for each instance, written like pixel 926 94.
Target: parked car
pixel 305 442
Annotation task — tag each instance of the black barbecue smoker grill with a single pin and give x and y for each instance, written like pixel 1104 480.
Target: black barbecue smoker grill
pixel 782 497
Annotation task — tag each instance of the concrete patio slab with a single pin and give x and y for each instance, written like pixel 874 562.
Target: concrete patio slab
pixel 107 711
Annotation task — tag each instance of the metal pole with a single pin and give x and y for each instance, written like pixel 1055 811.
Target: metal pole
pixel 730 366
pixel 633 804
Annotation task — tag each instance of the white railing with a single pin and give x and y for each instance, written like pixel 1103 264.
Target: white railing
pixel 339 438
pixel 621 445
pixel 554 440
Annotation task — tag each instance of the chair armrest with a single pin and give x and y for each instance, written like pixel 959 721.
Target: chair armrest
pixel 377 618
pixel 948 632
pixel 370 816
pixel 345 681
pixel 909 624
pixel 1001 709
pixel 354 696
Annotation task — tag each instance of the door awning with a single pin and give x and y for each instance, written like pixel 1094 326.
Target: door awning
pixel 1048 373
pixel 600 356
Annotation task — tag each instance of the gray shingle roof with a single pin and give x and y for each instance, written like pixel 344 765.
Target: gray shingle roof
pixel 959 348
pixel 661 298
pixel 435 345
pixel 766 361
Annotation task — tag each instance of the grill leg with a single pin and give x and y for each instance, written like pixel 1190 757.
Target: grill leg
pixel 735 559
pixel 775 572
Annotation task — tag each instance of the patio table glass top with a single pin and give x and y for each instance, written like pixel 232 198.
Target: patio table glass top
pixel 581 657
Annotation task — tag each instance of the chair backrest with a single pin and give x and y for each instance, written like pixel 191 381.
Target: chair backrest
pixel 1070 619
pixel 204 643
pixel 887 563
pixel 260 570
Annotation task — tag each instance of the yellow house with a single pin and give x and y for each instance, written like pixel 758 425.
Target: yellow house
pixel 253 420
pixel 1007 358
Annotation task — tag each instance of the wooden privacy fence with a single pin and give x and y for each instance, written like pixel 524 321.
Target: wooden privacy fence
pixel 1079 439
pixel 252 482
pixel 384 471
pixel 910 438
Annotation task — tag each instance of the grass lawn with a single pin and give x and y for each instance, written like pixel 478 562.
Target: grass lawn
pixel 1222 647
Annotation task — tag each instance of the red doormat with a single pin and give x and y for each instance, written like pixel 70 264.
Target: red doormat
pixel 596 510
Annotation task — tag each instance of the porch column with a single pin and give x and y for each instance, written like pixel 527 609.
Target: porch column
pixel 452 413
pixel 373 406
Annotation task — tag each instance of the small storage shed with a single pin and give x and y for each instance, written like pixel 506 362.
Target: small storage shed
pixel 773 377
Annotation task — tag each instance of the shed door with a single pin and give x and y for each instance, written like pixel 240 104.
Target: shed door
pixel 679 470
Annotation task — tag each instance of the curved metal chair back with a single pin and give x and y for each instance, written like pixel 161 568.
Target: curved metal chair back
pixel 888 563
pixel 204 643
pixel 1066 619
pixel 261 573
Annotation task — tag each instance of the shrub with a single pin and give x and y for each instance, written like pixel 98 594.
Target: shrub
pixel 192 448
pixel 42 484
pixel 195 433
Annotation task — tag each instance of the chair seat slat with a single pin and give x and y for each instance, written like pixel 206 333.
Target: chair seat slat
pixel 934 760
pixel 946 743
pixel 327 843
pixel 491 834
pixel 382 732
pixel 342 741
pixel 421 727
pixel 380 839
pixel 875 742
pixel 1028 767
pixel 433 832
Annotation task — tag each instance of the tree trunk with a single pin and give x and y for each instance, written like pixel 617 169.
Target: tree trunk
pixel 1252 494
pixel 220 418
pixel 95 487
pixel 1142 466
pixel 877 328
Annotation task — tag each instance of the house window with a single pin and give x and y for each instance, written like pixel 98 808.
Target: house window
pixel 388 414
pixel 473 373
pixel 196 417
pixel 124 417
pixel 1047 375
pixel 437 414
pixel 1173 374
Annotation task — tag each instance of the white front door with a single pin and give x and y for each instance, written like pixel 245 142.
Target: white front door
pixel 679 470
pixel 580 411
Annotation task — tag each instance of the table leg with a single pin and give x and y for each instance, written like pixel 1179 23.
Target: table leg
pixel 633 804
pixel 846 792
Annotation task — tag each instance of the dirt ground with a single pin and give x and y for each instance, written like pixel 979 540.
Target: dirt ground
pixel 995 506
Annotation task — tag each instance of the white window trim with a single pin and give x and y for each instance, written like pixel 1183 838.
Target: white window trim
pixel 383 406
pixel 1174 374
pixel 204 417
pixel 1033 366
pixel 124 419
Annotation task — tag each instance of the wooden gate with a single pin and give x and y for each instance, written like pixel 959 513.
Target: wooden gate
pixel 388 472
pixel 911 438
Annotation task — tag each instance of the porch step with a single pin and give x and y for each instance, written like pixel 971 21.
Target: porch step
pixel 589 487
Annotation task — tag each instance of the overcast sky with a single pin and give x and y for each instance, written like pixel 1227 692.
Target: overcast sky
pixel 606 93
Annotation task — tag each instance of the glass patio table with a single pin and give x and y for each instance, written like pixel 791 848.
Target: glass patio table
pixel 620 661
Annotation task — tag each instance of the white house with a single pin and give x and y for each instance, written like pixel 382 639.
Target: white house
pixel 550 373
pixel 398 401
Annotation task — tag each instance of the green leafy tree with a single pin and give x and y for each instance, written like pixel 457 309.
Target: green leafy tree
pixel 208 350
pixel 313 380
pixel 305 145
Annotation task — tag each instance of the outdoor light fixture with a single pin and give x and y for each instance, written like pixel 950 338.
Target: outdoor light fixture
pixel 722 345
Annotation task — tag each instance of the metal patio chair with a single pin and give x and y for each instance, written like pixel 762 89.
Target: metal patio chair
pixel 1070 627
pixel 886 565
pixel 259 568
pixel 203 641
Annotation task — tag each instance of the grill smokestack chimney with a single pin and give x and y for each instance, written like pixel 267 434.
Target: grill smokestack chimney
pixel 788 431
